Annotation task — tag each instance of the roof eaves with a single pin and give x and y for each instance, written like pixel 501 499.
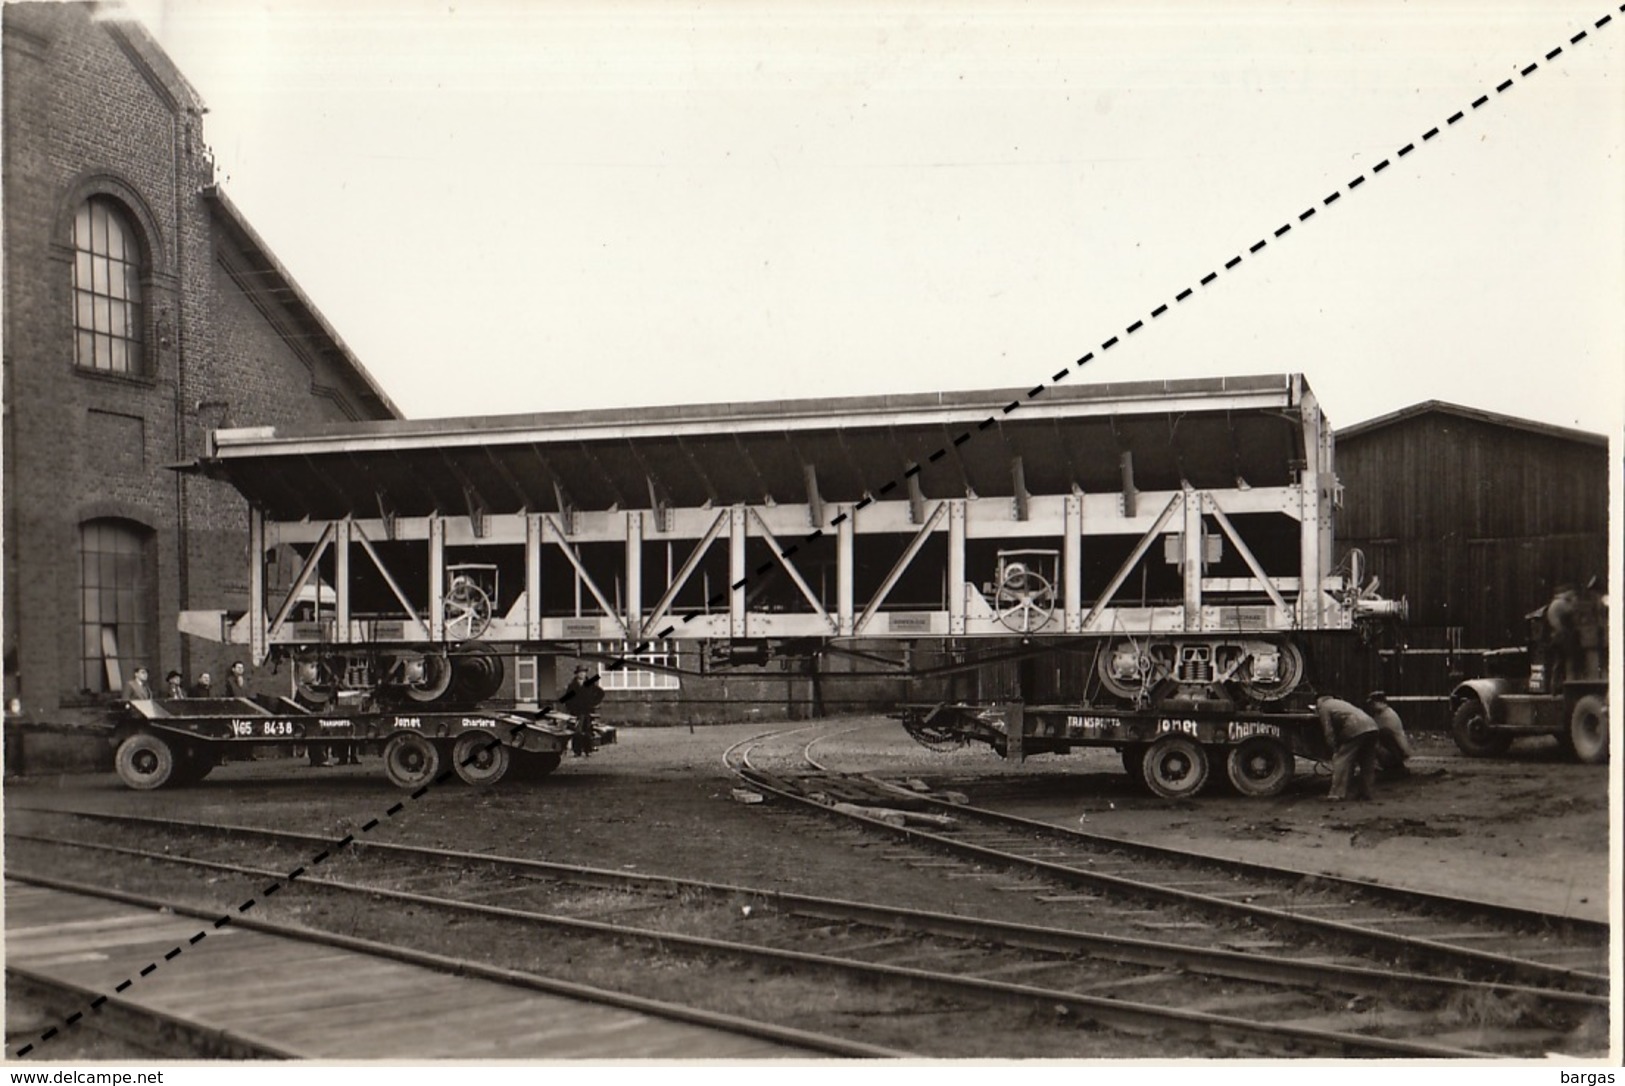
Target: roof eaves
pixel 217 199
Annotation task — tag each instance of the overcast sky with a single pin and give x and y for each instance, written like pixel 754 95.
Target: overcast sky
pixel 510 206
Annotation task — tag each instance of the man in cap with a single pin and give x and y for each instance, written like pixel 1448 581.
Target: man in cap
pixel 581 697
pixel 1393 745
pixel 1352 736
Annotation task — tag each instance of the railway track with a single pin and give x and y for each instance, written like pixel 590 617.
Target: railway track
pixel 1424 932
pixel 1120 984
pixel 311 994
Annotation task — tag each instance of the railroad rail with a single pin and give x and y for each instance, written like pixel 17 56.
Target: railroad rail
pixel 1532 947
pixel 1096 962
pixel 467 1008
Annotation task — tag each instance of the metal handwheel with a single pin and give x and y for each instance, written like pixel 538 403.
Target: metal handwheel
pixel 1025 599
pixel 467 609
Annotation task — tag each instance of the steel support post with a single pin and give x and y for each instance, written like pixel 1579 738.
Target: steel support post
pixel 1311 509
pixel 634 571
pixel 956 566
pixel 437 579
pixel 1190 557
pixel 341 583
pixel 1072 565
pixel 845 535
pixel 736 571
pixel 533 577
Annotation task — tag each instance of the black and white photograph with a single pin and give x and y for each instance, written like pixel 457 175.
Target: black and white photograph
pixel 908 537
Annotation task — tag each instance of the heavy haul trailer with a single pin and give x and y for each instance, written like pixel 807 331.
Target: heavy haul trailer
pixel 167 742
pixel 1179 530
pixel 1173 751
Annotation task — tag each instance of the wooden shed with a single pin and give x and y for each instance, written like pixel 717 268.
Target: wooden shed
pixel 1474 517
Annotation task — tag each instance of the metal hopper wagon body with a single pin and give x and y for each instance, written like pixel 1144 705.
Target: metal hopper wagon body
pixel 1178 531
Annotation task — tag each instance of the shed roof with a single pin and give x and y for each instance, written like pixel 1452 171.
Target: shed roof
pixel 1211 432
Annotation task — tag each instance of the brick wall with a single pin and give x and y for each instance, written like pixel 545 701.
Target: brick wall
pixel 92 108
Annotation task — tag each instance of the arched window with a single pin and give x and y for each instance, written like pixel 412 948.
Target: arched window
pixel 116 610
pixel 107 289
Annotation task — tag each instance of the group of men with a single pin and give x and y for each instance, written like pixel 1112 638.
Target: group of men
pixel 1360 742
pixel 139 688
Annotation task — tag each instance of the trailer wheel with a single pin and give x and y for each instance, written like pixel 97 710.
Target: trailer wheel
pixel 1175 767
pixel 1134 762
pixel 1470 728
pixel 533 765
pixel 479 758
pixel 1259 767
pixel 145 761
pixel 410 760
pixel 1588 730
pixel 192 764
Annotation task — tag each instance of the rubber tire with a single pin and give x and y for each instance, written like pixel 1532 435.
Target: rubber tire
pixel 1588 730
pixel 435 687
pixel 1176 767
pixel 532 765
pixel 479 759
pixel 1260 767
pixel 192 764
pixel 1470 730
pixel 410 760
pixel 145 761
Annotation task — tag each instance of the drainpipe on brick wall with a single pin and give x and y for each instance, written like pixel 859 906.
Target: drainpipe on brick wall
pixel 182 138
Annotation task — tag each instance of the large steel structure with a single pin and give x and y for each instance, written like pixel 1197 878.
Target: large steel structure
pixel 1186 526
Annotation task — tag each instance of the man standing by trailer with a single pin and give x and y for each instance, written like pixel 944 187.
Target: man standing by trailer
pixel 137 689
pixel 1352 736
pixel 581 697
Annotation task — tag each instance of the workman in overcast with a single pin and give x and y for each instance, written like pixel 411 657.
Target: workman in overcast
pixel 1393 745
pixel 1351 735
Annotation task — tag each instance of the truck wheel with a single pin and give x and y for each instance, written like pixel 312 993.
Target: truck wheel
pixel 1134 763
pixel 1175 767
pixel 1260 767
pixel 411 761
pixel 1471 730
pixel 1588 730
pixel 533 765
pixel 192 764
pixel 145 761
pixel 479 758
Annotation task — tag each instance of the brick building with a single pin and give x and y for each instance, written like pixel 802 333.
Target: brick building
pixel 141 311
